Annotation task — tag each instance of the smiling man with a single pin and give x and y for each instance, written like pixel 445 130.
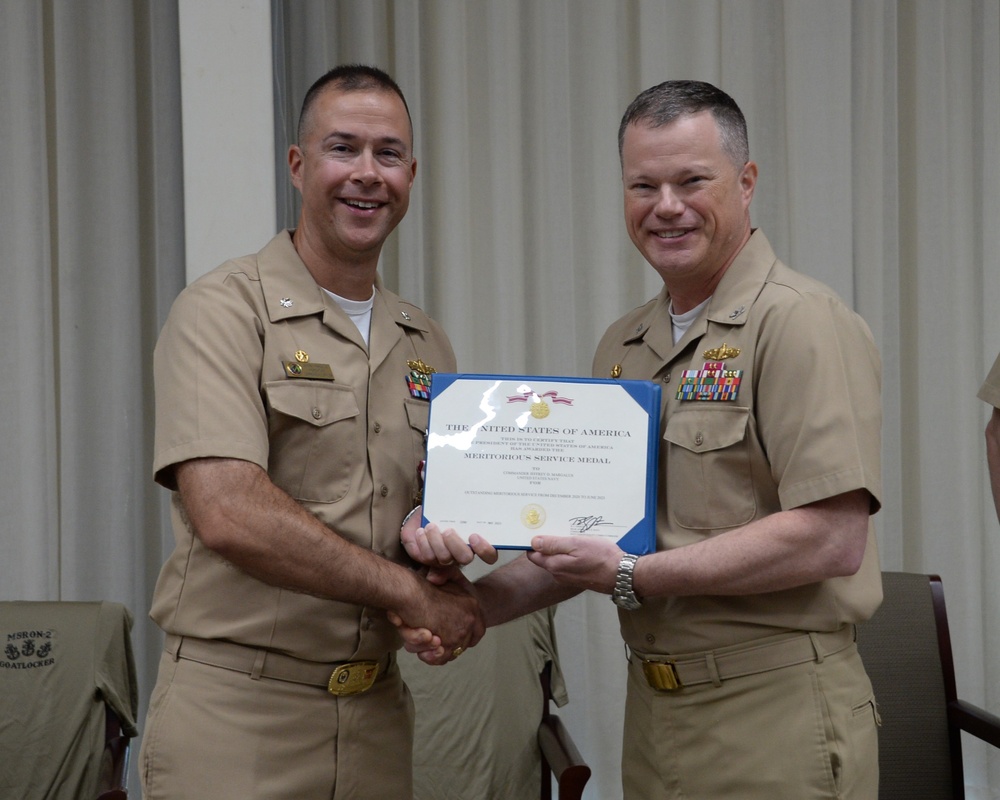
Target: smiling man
pixel 290 417
pixel 743 678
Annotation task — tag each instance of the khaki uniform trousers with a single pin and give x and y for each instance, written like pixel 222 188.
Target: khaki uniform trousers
pixel 802 732
pixel 218 733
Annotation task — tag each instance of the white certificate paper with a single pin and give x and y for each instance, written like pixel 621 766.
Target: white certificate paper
pixel 511 457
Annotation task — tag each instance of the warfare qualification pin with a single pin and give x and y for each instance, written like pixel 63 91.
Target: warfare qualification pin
pixel 723 353
pixel 419 366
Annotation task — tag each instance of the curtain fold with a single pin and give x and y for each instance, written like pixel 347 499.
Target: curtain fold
pixel 875 126
pixel 91 253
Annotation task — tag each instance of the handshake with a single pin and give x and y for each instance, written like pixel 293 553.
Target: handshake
pixel 451 613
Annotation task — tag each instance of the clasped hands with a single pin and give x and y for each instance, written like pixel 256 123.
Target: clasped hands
pixel 578 562
pixel 443 553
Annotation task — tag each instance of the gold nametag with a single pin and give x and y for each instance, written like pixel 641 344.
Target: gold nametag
pixel 353 678
pixel 315 372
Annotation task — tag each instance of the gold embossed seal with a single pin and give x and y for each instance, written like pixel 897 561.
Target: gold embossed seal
pixel 533 516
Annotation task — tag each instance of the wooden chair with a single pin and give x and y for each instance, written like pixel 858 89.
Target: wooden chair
pixel 484 728
pixel 560 757
pixel 114 769
pixel 68 700
pixel 906 648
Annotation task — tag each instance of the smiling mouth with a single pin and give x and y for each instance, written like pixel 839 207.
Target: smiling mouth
pixel 363 204
pixel 670 234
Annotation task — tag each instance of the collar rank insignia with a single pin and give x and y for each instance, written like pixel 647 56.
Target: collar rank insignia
pixel 711 382
pixel 419 379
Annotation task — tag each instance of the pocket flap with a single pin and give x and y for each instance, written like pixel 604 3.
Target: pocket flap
pixel 701 430
pixel 317 403
pixel 417 414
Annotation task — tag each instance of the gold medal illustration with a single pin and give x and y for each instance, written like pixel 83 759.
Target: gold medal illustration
pixel 540 409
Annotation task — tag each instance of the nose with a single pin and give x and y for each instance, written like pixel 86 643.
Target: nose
pixel 668 204
pixel 366 168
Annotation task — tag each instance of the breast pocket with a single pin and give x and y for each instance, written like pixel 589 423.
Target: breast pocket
pixel 417 414
pixel 708 467
pixel 316 439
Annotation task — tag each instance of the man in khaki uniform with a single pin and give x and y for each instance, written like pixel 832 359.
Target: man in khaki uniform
pixel 291 392
pixel 990 393
pixel 744 679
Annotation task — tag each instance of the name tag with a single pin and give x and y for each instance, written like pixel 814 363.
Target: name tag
pixel 315 372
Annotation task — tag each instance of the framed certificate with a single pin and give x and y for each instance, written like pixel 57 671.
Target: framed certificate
pixel 511 457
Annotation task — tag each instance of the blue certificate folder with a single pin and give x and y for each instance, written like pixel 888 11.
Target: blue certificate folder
pixel 510 457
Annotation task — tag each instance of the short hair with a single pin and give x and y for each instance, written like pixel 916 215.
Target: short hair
pixel 662 104
pixel 350 78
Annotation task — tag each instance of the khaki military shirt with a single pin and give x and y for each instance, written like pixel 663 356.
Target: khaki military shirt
pixel 804 425
pixel 990 390
pixel 346 444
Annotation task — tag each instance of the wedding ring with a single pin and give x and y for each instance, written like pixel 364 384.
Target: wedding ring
pixel 457 652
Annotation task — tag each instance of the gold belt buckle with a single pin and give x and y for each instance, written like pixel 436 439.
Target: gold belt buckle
pixel 661 675
pixel 353 678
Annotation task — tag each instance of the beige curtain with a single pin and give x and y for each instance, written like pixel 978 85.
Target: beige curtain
pixel 91 255
pixel 876 125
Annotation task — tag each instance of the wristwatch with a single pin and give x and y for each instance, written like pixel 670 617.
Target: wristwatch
pixel 624 593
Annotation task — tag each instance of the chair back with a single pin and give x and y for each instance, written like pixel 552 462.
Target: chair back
pixel 918 757
pixel 68 699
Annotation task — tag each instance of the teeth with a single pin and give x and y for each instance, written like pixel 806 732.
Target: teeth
pixel 361 204
pixel 670 234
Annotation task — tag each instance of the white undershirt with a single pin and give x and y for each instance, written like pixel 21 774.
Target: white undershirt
pixel 683 321
pixel 360 311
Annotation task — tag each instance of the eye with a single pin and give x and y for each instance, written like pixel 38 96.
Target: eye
pixel 390 156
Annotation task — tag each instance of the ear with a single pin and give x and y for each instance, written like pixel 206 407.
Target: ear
pixel 413 171
pixel 295 162
pixel 748 182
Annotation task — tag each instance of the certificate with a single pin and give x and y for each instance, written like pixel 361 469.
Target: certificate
pixel 511 457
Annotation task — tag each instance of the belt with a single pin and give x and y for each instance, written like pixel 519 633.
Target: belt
pixel 665 673
pixel 340 678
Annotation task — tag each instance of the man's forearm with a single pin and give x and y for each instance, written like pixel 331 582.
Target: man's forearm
pixel 516 589
pixel 787 549
pixel 236 511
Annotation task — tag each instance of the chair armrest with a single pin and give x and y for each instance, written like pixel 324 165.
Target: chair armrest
pixel 562 756
pixel 117 747
pixel 977 721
